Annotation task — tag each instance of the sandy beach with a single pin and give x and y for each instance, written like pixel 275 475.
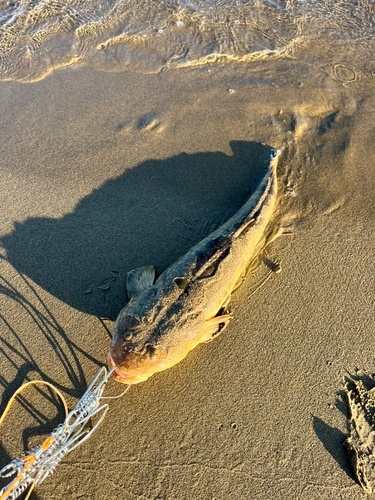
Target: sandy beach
pixel 103 172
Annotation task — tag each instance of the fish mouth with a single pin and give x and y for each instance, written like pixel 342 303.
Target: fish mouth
pixel 118 375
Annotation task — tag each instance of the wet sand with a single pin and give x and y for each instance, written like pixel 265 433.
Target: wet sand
pixel 102 173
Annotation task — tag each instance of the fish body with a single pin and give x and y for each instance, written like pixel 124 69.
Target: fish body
pixel 164 320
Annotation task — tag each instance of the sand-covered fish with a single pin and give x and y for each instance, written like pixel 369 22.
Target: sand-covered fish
pixel 186 305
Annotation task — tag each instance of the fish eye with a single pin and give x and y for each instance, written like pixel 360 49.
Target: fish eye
pixel 129 323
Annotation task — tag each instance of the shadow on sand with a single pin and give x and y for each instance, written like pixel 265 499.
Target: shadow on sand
pixel 15 351
pixel 152 214
pixel 333 441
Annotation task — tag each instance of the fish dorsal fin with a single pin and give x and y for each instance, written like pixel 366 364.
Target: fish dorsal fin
pixel 214 326
pixel 139 279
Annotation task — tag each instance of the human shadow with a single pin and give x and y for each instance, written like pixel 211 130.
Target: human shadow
pixel 151 214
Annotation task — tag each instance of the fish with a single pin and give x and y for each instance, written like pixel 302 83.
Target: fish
pixel 187 305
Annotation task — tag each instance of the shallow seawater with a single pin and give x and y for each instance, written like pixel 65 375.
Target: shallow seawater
pixel 149 36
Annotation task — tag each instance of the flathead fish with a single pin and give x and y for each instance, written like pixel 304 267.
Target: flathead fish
pixel 165 319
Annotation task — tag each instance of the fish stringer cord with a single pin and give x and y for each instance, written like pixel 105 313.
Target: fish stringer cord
pixel 11 401
pixel 33 467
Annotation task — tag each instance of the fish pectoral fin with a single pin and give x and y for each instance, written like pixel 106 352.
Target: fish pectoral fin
pixel 139 279
pixel 213 327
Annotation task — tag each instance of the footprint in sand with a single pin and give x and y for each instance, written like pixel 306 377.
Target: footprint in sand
pixel 149 122
pixel 124 127
pixel 361 442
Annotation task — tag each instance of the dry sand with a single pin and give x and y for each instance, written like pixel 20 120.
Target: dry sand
pixel 105 172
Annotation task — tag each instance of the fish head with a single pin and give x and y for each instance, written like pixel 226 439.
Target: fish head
pixel 135 351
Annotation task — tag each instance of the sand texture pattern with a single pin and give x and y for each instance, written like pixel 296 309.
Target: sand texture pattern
pixel 103 172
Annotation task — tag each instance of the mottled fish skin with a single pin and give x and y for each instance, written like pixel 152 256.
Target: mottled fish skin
pixel 163 322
